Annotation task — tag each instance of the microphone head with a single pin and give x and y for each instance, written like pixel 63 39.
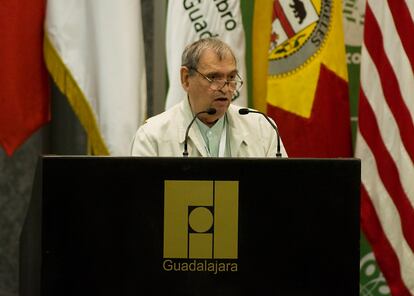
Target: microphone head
pixel 211 111
pixel 244 111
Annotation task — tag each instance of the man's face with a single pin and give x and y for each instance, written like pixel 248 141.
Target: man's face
pixel 200 94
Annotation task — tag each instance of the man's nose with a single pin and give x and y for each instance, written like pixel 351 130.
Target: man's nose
pixel 226 87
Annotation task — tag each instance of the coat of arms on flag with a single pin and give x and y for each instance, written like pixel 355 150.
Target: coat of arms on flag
pixel 298 28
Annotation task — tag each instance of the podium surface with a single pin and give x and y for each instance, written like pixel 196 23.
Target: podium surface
pixel 192 226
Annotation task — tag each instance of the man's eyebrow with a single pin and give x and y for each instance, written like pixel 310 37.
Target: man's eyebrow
pixel 216 73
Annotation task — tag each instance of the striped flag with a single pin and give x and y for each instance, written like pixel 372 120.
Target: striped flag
pixel 385 139
pixel 188 21
pixel 94 52
pixel 300 75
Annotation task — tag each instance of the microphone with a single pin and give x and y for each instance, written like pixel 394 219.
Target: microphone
pixel 244 111
pixel 209 111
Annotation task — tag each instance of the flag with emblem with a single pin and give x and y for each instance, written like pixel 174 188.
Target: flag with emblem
pixel 189 21
pixel 300 75
pixel 95 54
pixel 385 141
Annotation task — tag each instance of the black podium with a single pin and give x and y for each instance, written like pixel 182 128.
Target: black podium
pixel 194 226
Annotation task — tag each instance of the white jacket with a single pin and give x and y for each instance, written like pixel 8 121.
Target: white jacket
pixel 163 135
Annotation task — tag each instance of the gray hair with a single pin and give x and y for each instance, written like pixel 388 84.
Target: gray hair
pixel 192 52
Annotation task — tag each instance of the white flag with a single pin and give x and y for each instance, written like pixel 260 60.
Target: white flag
pixel 188 21
pixel 94 51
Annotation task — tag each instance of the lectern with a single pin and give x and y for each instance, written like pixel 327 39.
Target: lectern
pixel 193 226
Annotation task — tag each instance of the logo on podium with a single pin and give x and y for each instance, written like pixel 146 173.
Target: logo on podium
pixel 200 222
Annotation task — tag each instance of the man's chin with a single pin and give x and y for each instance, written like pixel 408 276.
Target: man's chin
pixel 221 106
pixel 212 119
pixel 220 111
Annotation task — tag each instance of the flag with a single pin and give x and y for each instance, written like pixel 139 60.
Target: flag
pixel 385 141
pixel 300 75
pixel 94 52
pixel 188 21
pixel 24 91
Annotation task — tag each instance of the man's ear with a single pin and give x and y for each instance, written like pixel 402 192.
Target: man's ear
pixel 185 75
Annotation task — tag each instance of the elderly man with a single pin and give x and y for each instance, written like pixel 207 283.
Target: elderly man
pixel 210 77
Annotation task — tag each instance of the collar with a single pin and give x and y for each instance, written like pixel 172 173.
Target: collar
pixel 238 134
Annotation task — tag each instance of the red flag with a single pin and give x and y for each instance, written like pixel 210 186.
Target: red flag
pixel 307 83
pixel 385 139
pixel 24 95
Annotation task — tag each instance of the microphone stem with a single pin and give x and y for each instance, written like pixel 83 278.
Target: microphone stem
pixel 209 111
pixel 185 153
pixel 278 154
pixel 246 111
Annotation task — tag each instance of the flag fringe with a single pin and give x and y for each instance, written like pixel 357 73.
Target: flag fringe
pixel 69 87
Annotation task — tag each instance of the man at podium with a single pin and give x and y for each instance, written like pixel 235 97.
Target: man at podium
pixel 211 80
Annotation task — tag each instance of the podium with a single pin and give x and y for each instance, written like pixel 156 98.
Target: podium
pixel 192 226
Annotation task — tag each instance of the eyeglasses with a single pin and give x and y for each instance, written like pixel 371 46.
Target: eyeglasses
pixel 218 84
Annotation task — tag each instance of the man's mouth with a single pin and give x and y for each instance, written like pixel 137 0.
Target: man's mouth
pixel 221 99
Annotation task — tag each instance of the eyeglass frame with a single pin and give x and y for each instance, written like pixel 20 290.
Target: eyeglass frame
pixel 225 80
